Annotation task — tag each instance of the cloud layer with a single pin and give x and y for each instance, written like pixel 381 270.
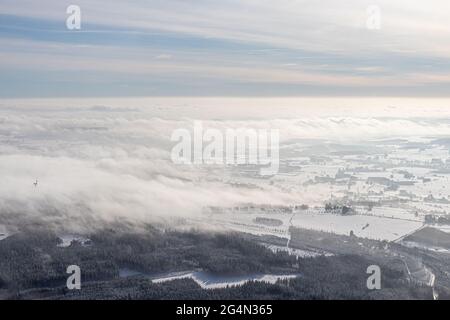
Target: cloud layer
pixel 97 164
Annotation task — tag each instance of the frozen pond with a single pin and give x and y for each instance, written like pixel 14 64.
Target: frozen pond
pixel 209 281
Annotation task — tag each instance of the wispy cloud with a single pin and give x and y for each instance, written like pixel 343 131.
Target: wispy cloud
pixel 296 46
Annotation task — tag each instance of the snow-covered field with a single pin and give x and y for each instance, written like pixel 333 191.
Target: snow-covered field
pixel 364 226
pixel 371 227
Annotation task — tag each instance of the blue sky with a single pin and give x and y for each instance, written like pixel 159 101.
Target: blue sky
pixel 224 48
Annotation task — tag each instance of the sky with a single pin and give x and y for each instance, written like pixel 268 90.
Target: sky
pixel 225 48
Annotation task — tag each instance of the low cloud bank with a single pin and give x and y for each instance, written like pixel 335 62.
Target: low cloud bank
pixel 94 167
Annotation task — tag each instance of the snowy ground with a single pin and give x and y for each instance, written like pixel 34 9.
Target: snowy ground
pixel 392 212
pixel 442 228
pixel 68 239
pixel 296 252
pixel 4 233
pixel 412 244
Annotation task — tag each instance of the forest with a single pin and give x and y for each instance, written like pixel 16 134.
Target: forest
pixel 32 265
